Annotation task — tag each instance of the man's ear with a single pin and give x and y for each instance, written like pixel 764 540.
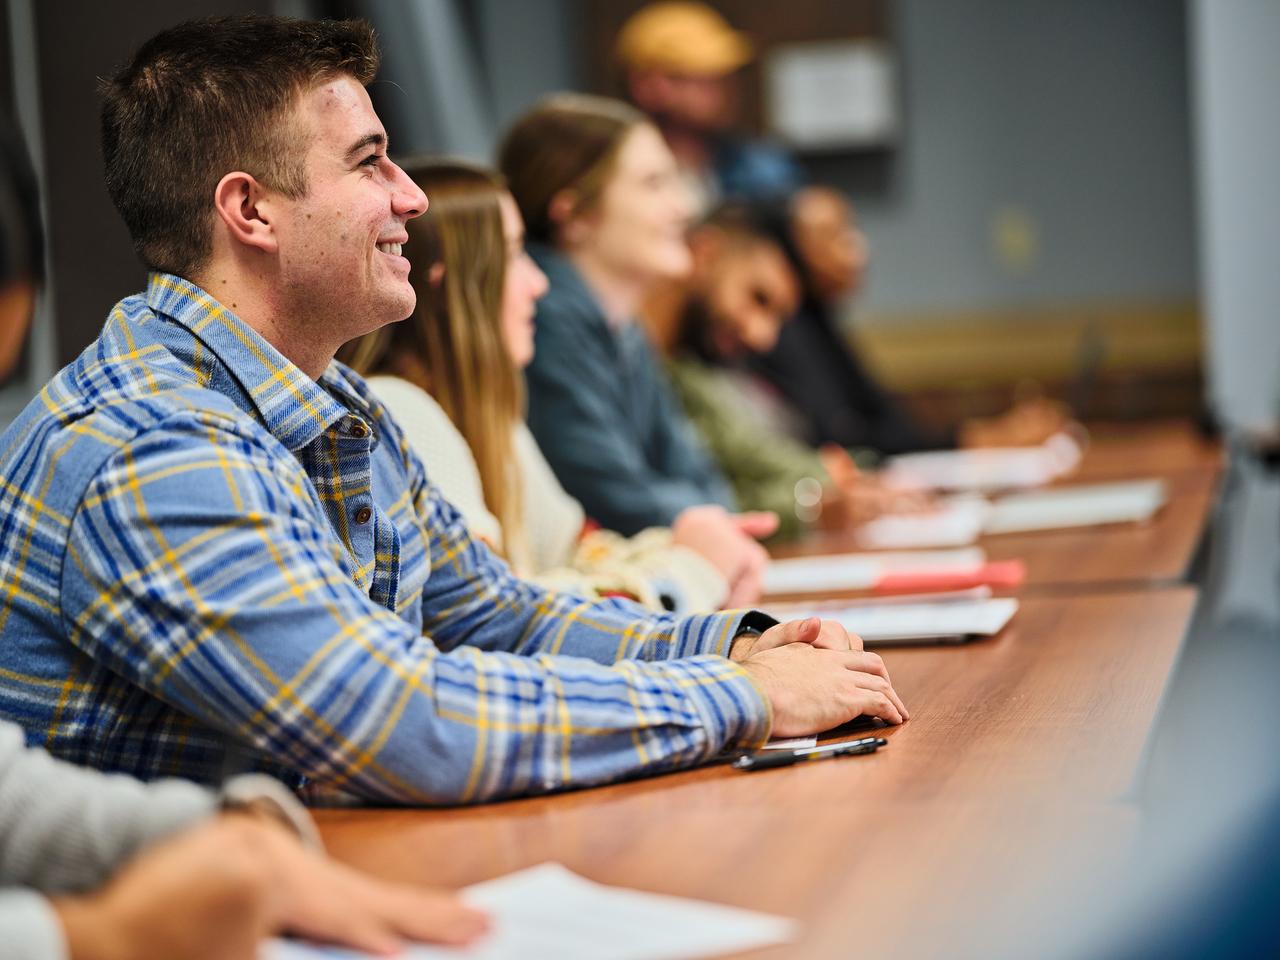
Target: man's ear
pixel 244 209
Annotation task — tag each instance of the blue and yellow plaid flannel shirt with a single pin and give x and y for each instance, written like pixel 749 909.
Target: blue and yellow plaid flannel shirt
pixel 211 563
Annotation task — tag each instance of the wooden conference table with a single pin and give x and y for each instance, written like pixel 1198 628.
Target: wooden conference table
pixel 1128 554
pixel 1021 757
pixel 1120 556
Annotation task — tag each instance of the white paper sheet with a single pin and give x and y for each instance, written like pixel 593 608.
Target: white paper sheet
pixel 861 571
pixel 985 469
pixel 956 523
pixel 967 614
pixel 1082 506
pixel 548 912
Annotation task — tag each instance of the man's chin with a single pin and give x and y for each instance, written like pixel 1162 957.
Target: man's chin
pixel 377 318
pixel 399 307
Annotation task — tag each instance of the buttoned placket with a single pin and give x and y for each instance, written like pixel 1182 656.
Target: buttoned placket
pixel 354 493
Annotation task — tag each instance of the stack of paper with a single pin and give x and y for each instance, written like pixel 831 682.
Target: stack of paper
pixel 550 913
pixel 947 620
pixel 956 522
pixel 1082 506
pixel 919 570
pixel 960 520
pixel 994 468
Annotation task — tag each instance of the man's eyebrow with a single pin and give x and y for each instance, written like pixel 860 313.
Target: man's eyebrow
pixel 368 140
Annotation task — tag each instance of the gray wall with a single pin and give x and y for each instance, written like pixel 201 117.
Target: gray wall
pixel 530 47
pixel 1072 114
pixel 1236 79
pixel 92 263
pixel 456 72
pixel 431 92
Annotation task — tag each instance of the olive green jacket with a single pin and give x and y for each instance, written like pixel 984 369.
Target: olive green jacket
pixel 762 465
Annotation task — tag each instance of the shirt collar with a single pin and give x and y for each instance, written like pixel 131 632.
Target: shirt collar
pixel 567 281
pixel 294 408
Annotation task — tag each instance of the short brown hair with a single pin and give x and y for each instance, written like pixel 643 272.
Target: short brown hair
pixel 567 141
pixel 207 97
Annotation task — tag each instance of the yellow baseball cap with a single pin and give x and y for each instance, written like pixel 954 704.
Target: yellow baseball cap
pixel 682 37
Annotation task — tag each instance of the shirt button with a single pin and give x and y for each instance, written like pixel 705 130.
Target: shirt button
pixel 363 515
pixel 359 430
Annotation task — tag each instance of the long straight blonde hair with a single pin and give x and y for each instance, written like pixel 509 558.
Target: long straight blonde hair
pixel 453 345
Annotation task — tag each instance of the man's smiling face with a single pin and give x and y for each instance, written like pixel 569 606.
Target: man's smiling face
pixel 339 245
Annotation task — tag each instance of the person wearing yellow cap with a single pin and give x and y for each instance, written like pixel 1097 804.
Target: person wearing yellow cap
pixel 681 62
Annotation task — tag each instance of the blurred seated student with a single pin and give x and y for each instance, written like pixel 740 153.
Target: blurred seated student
pixel 452 374
pixel 682 63
pixel 741 293
pixel 220 554
pixel 606 213
pixel 96 866
pixel 815 366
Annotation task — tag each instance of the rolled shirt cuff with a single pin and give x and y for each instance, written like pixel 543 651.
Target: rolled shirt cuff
pixel 733 708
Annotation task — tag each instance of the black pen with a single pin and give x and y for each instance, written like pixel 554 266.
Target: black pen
pixel 784 758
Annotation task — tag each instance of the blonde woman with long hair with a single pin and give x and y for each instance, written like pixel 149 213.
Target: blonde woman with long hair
pixel 451 374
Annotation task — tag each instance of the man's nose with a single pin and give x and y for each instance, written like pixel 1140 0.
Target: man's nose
pixel 407 199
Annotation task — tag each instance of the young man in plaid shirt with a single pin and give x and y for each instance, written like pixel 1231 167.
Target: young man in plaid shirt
pixel 217 553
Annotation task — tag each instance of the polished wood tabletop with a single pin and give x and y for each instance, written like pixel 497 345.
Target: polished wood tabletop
pixel 1161 447
pixel 1114 556
pixel 1125 555
pixel 1157 551
pixel 1009 740
pixel 1019 766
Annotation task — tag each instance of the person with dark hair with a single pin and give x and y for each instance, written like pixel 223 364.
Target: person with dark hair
pixel 97 866
pixel 219 552
pixel 606 216
pixel 836 400
pixel 741 294
pixel 815 366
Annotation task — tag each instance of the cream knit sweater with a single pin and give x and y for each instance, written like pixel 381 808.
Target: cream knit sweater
pixel 648 566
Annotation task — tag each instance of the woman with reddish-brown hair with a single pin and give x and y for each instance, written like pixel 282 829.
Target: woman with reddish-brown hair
pixel 606 211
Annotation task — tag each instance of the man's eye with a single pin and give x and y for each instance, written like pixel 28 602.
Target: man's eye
pixel 372 160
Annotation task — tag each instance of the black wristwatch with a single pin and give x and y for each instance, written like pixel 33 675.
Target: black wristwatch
pixel 754 623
